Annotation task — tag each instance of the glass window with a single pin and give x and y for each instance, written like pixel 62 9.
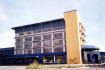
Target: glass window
pixel 47 37
pixel 18 46
pixel 19 52
pixel 58 42
pixel 28 51
pixel 27 45
pixel 18 40
pixel 46 29
pixel 47 43
pixel 37 31
pixel 58 49
pixel 37 44
pixel 21 34
pixel 57 35
pixel 37 50
pixel 28 32
pixel 58 57
pixel 47 50
pixel 48 57
pixel 27 39
pixel 57 28
pixel 37 38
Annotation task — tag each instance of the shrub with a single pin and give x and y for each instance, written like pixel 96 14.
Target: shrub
pixel 34 65
pixel 44 60
pixel 59 61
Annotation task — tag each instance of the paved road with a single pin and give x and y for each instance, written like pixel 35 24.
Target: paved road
pixel 23 68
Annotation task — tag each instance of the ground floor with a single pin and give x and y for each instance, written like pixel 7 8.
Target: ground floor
pixel 43 58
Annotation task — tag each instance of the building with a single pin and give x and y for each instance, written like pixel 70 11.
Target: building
pixel 90 54
pixel 62 39
pixel 55 39
pixel 4 53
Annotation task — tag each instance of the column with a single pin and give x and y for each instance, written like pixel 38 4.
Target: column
pixel 41 43
pixel 63 42
pixel 85 57
pixel 52 44
pixel 23 44
pixel 32 42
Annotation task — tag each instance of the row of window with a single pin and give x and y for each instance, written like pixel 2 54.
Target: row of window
pixel 42 30
pixel 38 44
pixel 50 58
pixel 38 38
pixel 38 50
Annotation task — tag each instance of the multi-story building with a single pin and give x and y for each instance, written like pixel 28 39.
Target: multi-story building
pixel 55 39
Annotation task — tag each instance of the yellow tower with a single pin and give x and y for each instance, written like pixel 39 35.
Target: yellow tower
pixel 73 42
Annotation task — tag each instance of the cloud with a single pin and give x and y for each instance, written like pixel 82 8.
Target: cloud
pixel 6 39
pixel 3 16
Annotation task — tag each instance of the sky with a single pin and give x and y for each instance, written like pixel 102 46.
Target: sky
pixel 15 13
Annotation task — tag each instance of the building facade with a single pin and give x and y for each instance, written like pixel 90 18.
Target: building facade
pixel 61 39
pixel 64 36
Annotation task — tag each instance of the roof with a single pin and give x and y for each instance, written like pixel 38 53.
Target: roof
pixel 38 23
pixel 9 48
pixel 89 47
pixel 70 11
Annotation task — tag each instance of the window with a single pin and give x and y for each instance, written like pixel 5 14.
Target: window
pixel 28 32
pixel 37 44
pixel 58 57
pixel 27 39
pixel 58 42
pixel 47 50
pixel 46 29
pixel 48 57
pixel 47 43
pixel 47 37
pixel 37 31
pixel 57 35
pixel 37 38
pixel 27 45
pixel 57 28
pixel 18 52
pixel 21 34
pixel 28 51
pixel 58 49
pixel 37 50
pixel 18 46
pixel 18 40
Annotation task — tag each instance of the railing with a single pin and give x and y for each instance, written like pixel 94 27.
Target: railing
pixel 39 31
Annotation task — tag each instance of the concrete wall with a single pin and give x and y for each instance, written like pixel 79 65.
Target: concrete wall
pixel 72 38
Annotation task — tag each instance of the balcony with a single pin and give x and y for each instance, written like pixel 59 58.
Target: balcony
pixel 82 29
pixel 19 34
pixel 83 42
pixel 82 36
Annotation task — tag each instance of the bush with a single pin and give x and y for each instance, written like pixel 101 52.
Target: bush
pixel 34 65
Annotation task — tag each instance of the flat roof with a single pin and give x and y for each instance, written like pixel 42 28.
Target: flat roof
pixel 70 11
pixel 90 47
pixel 38 23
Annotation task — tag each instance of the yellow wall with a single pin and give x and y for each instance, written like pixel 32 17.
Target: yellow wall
pixel 73 45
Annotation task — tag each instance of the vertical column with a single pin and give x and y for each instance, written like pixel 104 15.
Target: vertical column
pixel 42 43
pixel 23 44
pixel 32 42
pixel 15 46
pixel 85 57
pixel 52 44
pixel 63 42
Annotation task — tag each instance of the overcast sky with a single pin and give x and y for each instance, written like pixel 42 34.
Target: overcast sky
pixel 21 12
